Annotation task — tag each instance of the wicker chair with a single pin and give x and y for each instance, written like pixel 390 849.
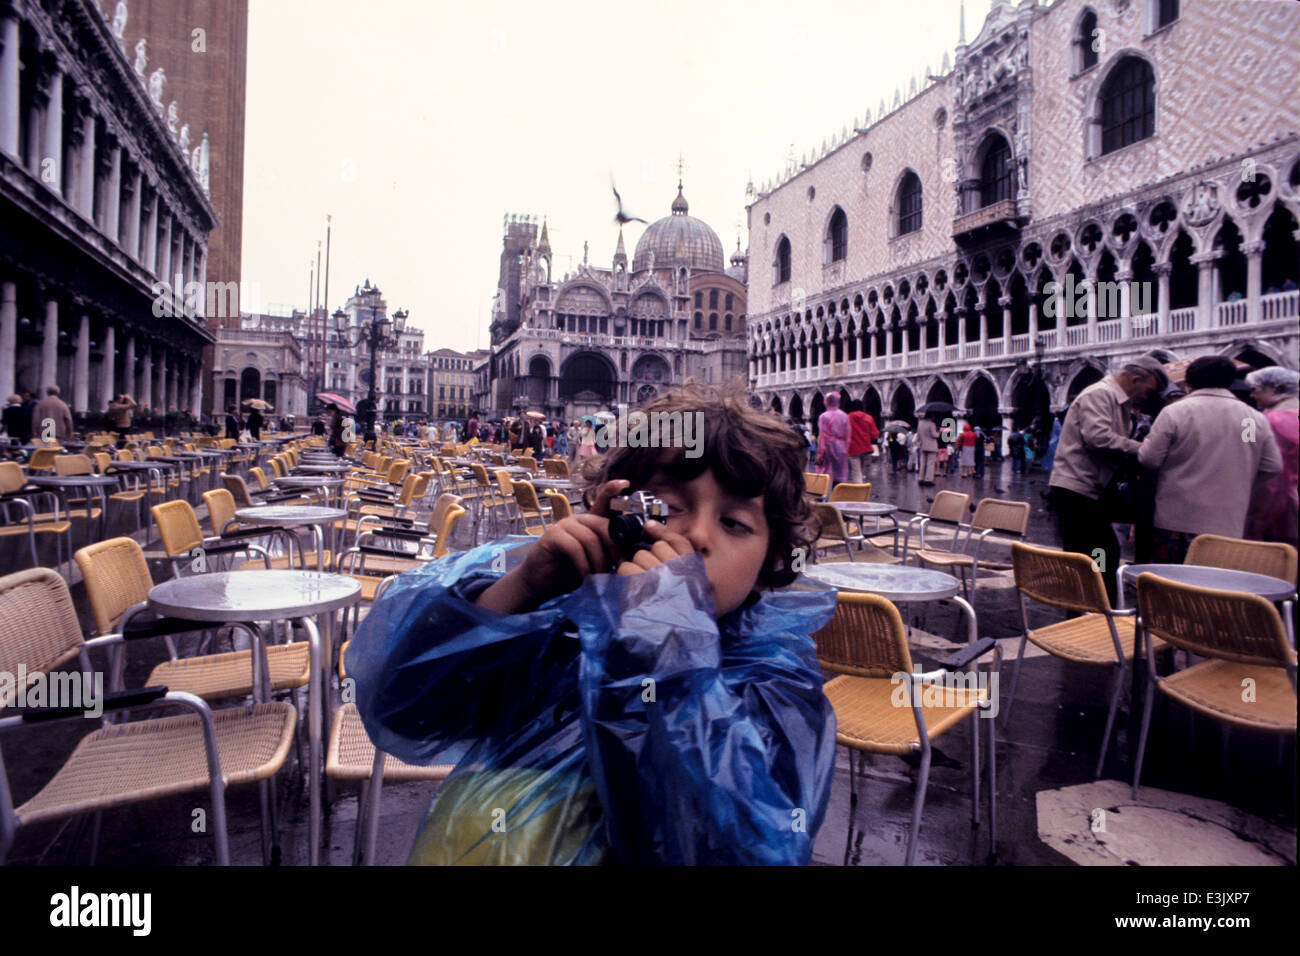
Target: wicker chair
pixel 1245 644
pixel 561 507
pixel 866 643
pixel 848 491
pixel 43 459
pixel 351 756
pixel 834 532
pixel 127 763
pixel 530 508
pixel 816 486
pixel 117 584
pixel 1100 637
pixel 949 508
pixel 19 518
pixel 991 514
pixel 183 540
pixel 555 467
pixel 1273 558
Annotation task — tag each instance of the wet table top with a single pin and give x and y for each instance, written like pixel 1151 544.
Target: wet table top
pixel 73 481
pixel 288 516
pixel 324 468
pixel 254 595
pixel 864 507
pixel 894 582
pixel 309 481
pixel 1223 579
pixel 141 465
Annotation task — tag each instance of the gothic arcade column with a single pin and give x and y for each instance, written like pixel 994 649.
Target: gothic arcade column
pixel 10 107
pixel 50 345
pixel 81 367
pixel 108 367
pixel 8 327
pixel 1254 254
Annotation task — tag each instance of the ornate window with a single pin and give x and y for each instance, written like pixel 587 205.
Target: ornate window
pixel 781 265
pixel 909 203
pixel 1085 54
pixel 713 298
pixel 837 236
pixel 997 172
pixel 1128 104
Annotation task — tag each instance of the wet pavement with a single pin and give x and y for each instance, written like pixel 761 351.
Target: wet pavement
pixel 1204 798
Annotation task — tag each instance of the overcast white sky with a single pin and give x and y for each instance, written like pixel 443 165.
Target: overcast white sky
pixel 417 125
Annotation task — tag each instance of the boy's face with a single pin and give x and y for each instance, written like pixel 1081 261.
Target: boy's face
pixel 729 532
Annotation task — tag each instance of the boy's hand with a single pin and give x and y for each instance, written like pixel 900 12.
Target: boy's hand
pixel 667 545
pixel 571 550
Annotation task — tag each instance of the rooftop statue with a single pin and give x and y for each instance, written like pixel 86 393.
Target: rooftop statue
pixel 141 57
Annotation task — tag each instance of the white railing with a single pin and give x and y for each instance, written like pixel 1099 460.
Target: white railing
pixel 952 353
pixel 1279 305
pixel 1076 335
pixel 932 356
pixel 994 347
pixel 971 350
pixel 896 360
pixel 1145 326
pixel 1182 320
pixel 913 359
pixel 1109 331
pixel 1048 338
pixel 803 375
pixel 1019 343
pixel 878 363
pixel 1231 313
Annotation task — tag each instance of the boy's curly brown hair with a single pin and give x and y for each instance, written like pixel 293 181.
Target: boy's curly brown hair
pixel 749 453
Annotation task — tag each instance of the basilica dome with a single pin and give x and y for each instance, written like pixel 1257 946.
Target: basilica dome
pixel 679 240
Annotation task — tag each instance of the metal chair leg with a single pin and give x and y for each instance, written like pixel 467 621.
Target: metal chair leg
pixel 1015 677
pixel 853 806
pixel 1148 699
pixel 1116 685
pixel 918 805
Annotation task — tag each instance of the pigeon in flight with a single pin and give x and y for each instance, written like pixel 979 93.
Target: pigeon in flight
pixel 621 217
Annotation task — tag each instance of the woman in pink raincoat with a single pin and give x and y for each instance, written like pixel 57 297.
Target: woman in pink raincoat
pixel 1275 505
pixel 833 441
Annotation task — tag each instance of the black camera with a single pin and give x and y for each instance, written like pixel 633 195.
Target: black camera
pixel 628 515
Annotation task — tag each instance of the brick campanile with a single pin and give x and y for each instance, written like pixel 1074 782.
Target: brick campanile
pixel 206 76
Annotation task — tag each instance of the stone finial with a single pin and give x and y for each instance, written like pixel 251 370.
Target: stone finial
pixel 141 57
pixel 119 23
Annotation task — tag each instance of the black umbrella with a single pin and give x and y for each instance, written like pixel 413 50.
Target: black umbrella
pixel 897 426
pixel 936 408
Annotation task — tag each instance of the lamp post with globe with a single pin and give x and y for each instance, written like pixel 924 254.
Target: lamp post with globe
pixel 376 334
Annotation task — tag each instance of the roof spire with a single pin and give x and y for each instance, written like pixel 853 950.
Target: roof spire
pixel 620 253
pixel 961 38
pixel 544 242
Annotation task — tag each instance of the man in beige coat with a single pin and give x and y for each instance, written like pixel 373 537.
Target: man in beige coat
pixel 1094 442
pixel 53 409
pixel 928 434
pixel 1209 450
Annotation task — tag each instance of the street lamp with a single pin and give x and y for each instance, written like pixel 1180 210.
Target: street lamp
pixel 376 334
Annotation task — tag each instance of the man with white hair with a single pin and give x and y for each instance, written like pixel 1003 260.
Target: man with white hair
pixel 1209 449
pixel 1094 442
pixel 1275 506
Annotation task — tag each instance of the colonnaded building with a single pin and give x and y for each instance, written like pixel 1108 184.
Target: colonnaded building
pixel 104 214
pixel 1144 155
pixel 601 336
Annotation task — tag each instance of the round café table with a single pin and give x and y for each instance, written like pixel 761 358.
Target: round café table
pixel 324 468
pixel 247 597
pixel 63 485
pixel 1277 590
pixel 870 509
pixel 310 482
pixel 296 516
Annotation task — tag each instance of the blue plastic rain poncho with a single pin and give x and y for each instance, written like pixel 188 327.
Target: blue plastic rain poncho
pixel 618 723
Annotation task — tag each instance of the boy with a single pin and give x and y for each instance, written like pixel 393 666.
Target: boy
pixel 662 709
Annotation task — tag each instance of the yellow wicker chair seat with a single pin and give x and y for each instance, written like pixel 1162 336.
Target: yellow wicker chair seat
pixel 284 562
pixel 1215 688
pixel 1086 639
pixel 214 676
pixel 351 755
pixel 387 566
pixel 144 760
pixel 866 716
pixel 948 559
